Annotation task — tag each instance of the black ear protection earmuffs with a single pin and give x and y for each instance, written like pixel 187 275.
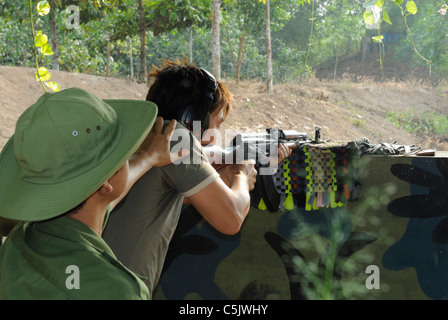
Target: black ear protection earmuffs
pixel 200 109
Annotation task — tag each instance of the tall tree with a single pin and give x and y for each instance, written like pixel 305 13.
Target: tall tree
pixel 269 72
pixel 170 16
pixel 54 35
pixel 90 12
pixel 216 39
pixel 269 82
pixel 338 26
pixel 142 30
pixel 245 21
pixel 242 19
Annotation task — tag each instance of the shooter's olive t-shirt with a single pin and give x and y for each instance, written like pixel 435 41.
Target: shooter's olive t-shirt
pixel 140 228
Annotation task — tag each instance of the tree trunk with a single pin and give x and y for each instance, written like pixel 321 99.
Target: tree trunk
pixel 138 76
pixel 232 54
pixel 216 47
pixel 349 45
pixel 191 43
pixel 241 50
pixel 335 71
pixel 242 46
pixel 142 29
pixel 108 59
pixel 270 88
pixel 364 49
pixel 131 60
pixel 54 36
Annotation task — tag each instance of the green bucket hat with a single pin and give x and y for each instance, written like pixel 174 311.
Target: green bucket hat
pixel 65 146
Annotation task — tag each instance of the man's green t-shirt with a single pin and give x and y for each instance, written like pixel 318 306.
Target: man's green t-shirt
pixel 63 258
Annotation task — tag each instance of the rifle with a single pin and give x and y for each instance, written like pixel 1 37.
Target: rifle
pixel 256 146
pixel 259 146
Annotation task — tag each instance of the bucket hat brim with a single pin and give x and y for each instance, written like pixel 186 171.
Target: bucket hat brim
pixel 24 201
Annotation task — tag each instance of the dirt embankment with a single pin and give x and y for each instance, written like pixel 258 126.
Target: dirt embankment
pixel 344 109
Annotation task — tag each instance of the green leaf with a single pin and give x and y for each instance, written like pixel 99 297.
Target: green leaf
pixel 43 74
pixel 173 16
pixel 386 17
pixel 43 8
pixel 369 18
pixel 379 3
pixel 46 50
pixel 378 39
pixel 53 85
pixel 109 3
pixel 398 2
pixel 411 7
pixel 40 39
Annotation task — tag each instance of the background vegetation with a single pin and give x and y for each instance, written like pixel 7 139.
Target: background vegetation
pixel 107 41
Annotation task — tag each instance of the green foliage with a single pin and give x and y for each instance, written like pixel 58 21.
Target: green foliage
pixel 325 268
pixel 288 63
pixel 430 33
pixel 43 8
pixel 337 26
pixel 379 6
pixel 15 51
pixel 426 122
pixel 341 24
pixel 165 16
pixel 41 41
pixel 358 122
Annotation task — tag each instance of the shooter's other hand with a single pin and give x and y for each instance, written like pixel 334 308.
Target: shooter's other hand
pixel 247 169
pixel 283 152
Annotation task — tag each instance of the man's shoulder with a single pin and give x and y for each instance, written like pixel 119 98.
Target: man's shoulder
pixel 81 274
pixel 101 276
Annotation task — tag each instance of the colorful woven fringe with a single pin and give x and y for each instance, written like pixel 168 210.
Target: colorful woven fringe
pixel 321 177
pixel 314 178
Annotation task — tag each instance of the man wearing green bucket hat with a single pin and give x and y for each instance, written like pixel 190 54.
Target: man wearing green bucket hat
pixel 72 158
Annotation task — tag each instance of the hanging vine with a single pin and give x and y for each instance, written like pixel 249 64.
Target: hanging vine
pixel 370 19
pixel 41 42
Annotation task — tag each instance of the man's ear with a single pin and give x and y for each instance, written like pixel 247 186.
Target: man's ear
pixel 107 187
